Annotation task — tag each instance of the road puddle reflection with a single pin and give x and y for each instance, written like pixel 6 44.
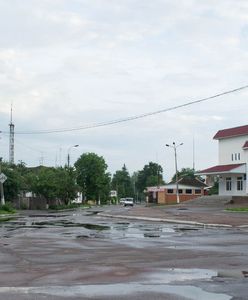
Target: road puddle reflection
pixel 113 291
pixel 177 274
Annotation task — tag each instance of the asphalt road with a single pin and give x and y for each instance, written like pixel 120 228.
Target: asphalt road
pixel 79 255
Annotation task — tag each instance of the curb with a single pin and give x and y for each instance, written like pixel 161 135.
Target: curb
pixel 165 220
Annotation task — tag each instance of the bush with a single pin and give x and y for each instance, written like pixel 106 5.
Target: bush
pixel 8 208
pixel 214 190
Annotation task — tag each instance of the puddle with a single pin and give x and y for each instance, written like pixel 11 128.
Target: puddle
pixel 123 223
pixel 152 235
pixel 186 229
pixel 245 273
pixel 12 225
pixel 64 223
pixel 232 274
pixel 164 276
pixel 117 290
pixel 140 231
pixel 52 215
pixel 90 236
pixel 92 213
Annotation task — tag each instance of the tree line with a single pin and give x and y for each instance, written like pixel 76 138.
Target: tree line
pixel 89 176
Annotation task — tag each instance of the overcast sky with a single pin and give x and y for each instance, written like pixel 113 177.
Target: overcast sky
pixel 67 63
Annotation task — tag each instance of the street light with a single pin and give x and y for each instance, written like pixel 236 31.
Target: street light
pixel 68 154
pixel 174 146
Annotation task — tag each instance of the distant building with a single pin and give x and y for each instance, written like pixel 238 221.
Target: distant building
pixel 113 193
pixel 188 188
pixel 233 157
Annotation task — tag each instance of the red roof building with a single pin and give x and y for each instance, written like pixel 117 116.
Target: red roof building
pixel 232 169
pixel 231 132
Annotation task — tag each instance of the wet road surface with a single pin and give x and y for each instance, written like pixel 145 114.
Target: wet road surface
pixel 79 255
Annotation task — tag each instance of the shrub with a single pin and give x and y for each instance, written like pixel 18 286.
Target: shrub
pixel 8 208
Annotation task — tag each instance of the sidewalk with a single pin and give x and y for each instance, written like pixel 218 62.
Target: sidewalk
pixel 190 214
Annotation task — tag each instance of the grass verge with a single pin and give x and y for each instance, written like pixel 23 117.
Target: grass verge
pixel 238 209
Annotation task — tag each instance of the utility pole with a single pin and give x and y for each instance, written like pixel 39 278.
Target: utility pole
pixel 68 154
pixel 11 139
pixel 193 153
pixel 174 146
pixel 1 185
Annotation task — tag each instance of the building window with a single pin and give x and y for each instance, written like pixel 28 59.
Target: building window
pixel 188 191
pixel 228 183
pixel 239 183
pixel 180 191
pixel 236 156
pixel 198 191
pixel 170 191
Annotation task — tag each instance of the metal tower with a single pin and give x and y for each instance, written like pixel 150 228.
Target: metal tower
pixel 11 139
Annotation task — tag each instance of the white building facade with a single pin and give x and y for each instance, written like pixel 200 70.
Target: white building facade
pixel 233 158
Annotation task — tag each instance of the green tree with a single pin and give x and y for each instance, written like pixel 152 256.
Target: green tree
pixel 186 172
pixel 66 187
pixel 214 190
pixel 53 183
pixel 92 176
pixel 14 183
pixel 121 182
pixel 42 182
pixel 150 175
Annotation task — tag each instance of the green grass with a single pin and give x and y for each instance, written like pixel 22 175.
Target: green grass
pixel 4 212
pixel 4 219
pixel 238 209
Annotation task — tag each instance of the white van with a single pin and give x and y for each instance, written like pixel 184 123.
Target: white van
pixel 128 202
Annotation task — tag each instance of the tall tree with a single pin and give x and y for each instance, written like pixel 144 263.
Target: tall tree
pixel 121 182
pixel 92 176
pixel 149 176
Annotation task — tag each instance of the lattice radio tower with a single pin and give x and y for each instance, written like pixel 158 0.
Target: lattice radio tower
pixel 11 139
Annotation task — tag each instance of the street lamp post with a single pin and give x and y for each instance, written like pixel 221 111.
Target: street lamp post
pixel 174 146
pixel 68 154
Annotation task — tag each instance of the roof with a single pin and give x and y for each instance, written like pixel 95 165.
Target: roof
pixel 220 168
pixel 189 181
pixel 245 145
pixel 231 132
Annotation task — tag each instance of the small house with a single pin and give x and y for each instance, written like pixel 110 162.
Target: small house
pixel 188 188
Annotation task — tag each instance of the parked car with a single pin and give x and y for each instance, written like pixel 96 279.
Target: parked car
pixel 128 202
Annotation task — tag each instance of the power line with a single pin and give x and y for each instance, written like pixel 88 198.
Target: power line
pixel 131 118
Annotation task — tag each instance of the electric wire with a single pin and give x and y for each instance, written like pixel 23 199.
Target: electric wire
pixel 130 118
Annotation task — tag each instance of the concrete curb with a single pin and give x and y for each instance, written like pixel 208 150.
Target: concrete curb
pixel 165 220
